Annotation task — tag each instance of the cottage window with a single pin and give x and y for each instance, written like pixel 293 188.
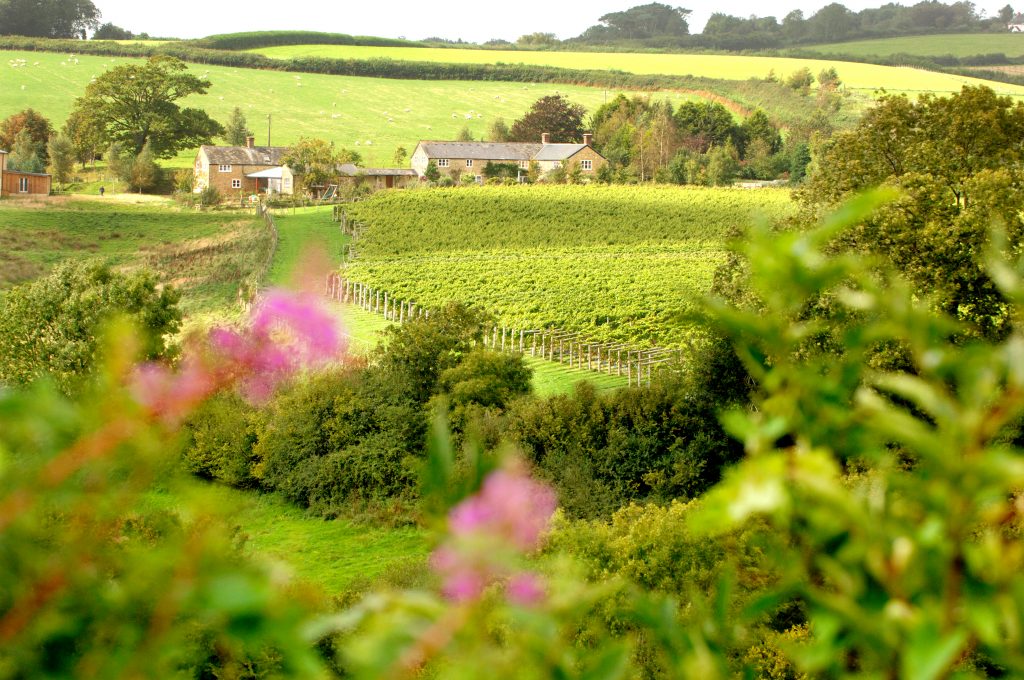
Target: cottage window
pixel 443 162
pixel 525 165
pixel 587 165
pixel 224 168
pixel 469 162
pixel 236 184
pixel 23 185
pixel 556 164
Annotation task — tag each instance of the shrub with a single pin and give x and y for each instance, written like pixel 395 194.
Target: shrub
pixel 604 451
pixel 220 436
pixel 51 327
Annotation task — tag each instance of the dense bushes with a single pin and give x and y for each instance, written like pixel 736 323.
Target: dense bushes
pixel 354 438
pixel 51 327
pixel 603 451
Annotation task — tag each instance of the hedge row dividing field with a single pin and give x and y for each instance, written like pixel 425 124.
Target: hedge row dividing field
pixel 619 264
pixel 856 76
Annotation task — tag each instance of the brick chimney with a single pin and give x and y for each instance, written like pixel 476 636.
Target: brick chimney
pixel 545 138
pixel 587 138
pixel 250 142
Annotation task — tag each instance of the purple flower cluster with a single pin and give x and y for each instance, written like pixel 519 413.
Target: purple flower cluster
pixel 286 334
pixel 489 532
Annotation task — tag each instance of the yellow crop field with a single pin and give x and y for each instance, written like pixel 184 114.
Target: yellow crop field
pixel 862 77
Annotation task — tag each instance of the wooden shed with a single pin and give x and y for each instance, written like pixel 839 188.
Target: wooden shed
pixel 16 183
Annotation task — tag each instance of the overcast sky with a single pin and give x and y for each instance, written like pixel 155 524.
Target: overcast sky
pixel 415 19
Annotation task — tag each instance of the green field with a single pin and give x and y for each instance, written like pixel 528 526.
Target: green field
pixel 205 255
pixel 368 115
pixel 618 264
pixel 956 44
pixel 332 555
pixel 865 77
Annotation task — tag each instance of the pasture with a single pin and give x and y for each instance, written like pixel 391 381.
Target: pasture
pixel 622 264
pixel 857 77
pixel 956 44
pixel 205 255
pixel 333 556
pixel 368 115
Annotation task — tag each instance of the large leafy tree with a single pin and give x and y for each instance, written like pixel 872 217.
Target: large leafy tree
pixel 137 104
pixel 959 165
pixel 553 114
pixel 36 125
pixel 706 124
pixel 315 162
pixel 86 134
pixel 647 21
pixel 48 18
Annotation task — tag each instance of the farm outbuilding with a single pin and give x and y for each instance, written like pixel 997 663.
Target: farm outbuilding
pixel 378 178
pixel 14 183
pixel 473 157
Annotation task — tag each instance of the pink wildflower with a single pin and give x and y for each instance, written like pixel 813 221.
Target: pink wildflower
pixel 525 589
pixel 510 505
pixel 510 511
pixel 314 337
pixel 463 580
pixel 168 395
pixel 287 333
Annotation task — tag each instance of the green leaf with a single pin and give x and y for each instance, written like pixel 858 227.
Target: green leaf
pixel 929 654
pixel 612 663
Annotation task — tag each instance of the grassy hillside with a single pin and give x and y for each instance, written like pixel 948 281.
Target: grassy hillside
pixel 205 255
pixel 958 45
pixel 371 116
pixel 615 263
pixel 866 77
pixel 332 555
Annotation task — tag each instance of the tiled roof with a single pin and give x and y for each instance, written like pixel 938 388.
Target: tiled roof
pixel 388 172
pixel 244 155
pixel 350 170
pixel 558 152
pixel 484 151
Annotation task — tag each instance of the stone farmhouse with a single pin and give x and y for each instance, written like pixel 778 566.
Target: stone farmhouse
pixel 473 157
pixel 248 169
pixel 252 169
pixel 15 183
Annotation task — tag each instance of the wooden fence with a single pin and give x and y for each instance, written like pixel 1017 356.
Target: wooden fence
pixel 637 365
pixel 248 293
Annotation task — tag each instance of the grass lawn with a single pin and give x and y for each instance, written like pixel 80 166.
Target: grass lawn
pixel 867 77
pixel 956 44
pixel 310 244
pixel 205 255
pixel 329 554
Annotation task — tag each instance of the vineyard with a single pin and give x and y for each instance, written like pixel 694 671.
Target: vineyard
pixel 618 264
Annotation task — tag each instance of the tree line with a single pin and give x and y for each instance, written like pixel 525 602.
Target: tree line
pixel 658 25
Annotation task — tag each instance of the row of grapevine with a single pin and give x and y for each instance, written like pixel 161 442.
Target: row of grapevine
pixel 615 264
pixel 573 349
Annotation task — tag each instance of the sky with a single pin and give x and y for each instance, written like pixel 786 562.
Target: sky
pixel 416 19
